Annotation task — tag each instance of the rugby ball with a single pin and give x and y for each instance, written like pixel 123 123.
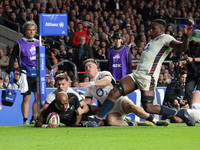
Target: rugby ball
pixel 53 118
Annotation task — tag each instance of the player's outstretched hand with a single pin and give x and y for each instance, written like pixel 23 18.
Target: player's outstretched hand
pixel 84 85
pixel 89 124
pixel 51 126
pixel 188 29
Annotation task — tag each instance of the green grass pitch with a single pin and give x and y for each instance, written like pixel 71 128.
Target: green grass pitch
pixel 173 137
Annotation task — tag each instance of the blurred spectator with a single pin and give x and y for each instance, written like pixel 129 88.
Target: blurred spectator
pixel 175 93
pixel 179 36
pixel 60 40
pixel 5 82
pixel 62 55
pixel 1 83
pixel 193 65
pixel 96 47
pixel 22 19
pixel 16 65
pixel 133 51
pixel 86 79
pixel 14 24
pixel 2 73
pixel 4 60
pixel 82 52
pixel 16 79
pixel 75 83
pixel 161 82
pixel 80 32
pixel 51 54
pixel 51 83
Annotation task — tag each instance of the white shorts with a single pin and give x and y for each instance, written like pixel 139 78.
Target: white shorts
pixel 196 106
pixel 195 114
pixel 118 105
pixel 144 81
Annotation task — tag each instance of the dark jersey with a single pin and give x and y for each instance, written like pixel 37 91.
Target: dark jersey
pixel 69 116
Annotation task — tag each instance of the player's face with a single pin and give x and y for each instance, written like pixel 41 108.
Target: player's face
pixel 183 77
pixel 156 30
pixel 62 104
pixel 30 32
pixel 91 69
pixel 62 85
pixel 118 42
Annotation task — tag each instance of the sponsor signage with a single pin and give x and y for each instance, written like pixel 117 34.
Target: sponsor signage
pixel 53 24
pixel 41 76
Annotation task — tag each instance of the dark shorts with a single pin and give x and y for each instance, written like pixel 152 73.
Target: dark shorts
pixel 32 87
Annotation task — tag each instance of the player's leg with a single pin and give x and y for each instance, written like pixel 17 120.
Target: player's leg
pixel 129 107
pixel 125 86
pixel 33 85
pixel 116 116
pixel 34 109
pixel 147 103
pixel 115 119
pixel 25 108
pixel 195 97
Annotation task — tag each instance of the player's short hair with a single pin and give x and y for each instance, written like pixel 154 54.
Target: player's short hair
pixel 160 21
pixel 26 24
pixel 62 76
pixel 89 60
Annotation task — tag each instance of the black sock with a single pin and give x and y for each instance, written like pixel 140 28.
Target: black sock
pixel 150 118
pixel 167 111
pixel 130 123
pixel 25 119
pixel 105 108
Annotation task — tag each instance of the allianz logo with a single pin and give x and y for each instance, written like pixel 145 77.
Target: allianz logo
pixel 50 24
pixel 8 98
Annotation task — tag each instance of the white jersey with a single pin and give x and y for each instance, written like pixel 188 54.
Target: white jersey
pixel 52 95
pixel 100 93
pixel 154 54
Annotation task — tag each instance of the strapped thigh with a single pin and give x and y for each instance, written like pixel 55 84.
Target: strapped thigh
pixel 120 88
pixel 147 99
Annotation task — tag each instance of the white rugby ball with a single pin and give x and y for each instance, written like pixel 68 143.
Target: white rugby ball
pixel 53 118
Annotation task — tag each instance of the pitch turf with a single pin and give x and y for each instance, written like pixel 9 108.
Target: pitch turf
pixel 173 137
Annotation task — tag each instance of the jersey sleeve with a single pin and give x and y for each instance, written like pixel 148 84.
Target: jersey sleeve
pixel 87 93
pixel 70 90
pixel 73 100
pixel 51 96
pixel 48 111
pixel 168 39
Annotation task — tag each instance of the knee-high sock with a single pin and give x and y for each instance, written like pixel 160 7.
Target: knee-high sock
pixel 105 108
pixel 167 111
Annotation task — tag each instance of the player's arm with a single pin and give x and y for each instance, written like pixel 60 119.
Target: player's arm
pixel 183 46
pixel 84 108
pixel 102 83
pixel 78 116
pixel 40 121
pixel 88 100
pixel 42 110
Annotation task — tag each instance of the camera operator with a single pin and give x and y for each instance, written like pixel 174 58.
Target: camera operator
pixel 193 65
pixel 175 93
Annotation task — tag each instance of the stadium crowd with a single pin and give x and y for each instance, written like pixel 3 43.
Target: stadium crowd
pixel 97 21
